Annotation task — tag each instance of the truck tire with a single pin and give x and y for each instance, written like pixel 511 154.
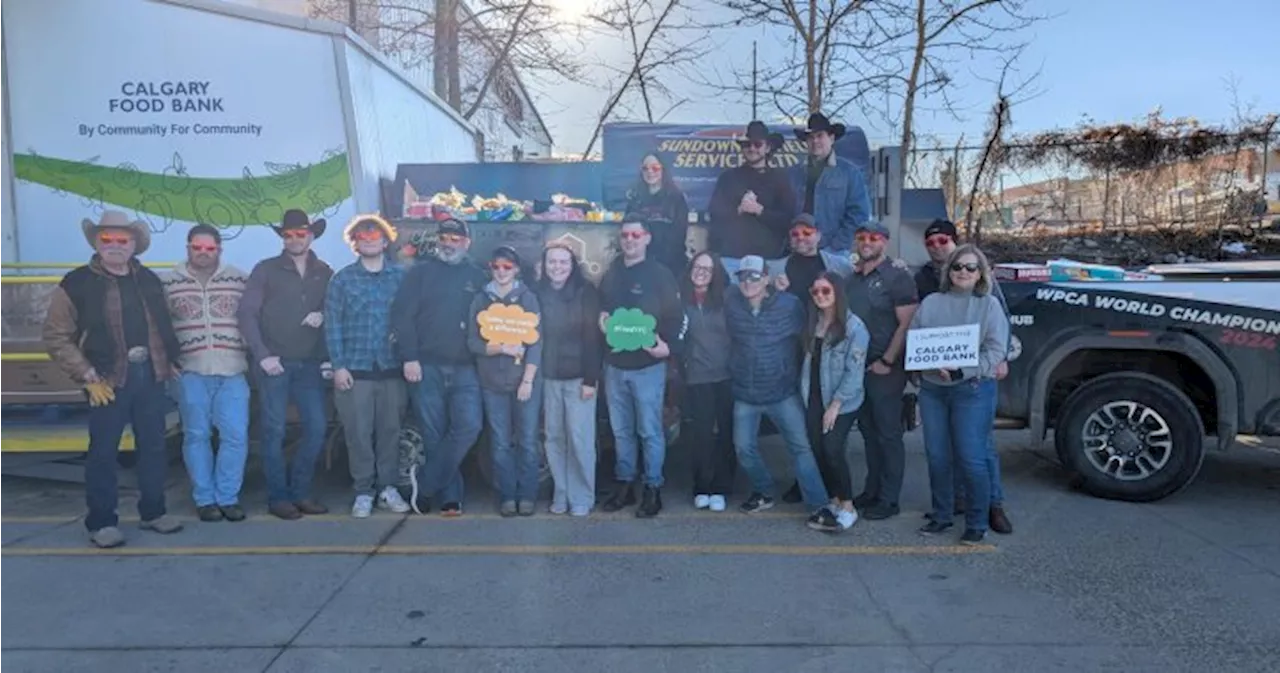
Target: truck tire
pixel 1130 436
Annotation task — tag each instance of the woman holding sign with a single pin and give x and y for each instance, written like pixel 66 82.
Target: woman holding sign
pixel 958 386
pixel 504 336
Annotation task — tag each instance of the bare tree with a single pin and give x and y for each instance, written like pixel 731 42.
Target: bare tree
pixel 661 41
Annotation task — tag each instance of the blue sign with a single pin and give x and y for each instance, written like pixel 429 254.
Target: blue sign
pixel 696 155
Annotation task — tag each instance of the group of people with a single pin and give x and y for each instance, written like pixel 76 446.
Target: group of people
pixel 812 339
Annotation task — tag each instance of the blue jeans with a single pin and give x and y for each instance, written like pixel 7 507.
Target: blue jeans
pixel 449 409
pixel 208 402
pixel 634 397
pixel 141 403
pixel 302 383
pixel 993 469
pixel 957 424
pixel 788 416
pixel 515 468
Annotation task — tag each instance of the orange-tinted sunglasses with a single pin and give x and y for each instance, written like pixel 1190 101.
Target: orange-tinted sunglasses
pixel 367 235
pixel 632 235
pixel 202 247
pixel 937 241
pixel 821 291
pixel 803 232
pixel 108 238
pixel 501 266
pixel 451 238
pixel 296 233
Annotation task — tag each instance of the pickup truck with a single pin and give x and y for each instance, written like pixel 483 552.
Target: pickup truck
pixel 1133 375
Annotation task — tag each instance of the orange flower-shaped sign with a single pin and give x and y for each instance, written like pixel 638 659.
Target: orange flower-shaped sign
pixel 508 324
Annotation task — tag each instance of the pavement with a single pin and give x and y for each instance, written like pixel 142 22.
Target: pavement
pixel 1191 583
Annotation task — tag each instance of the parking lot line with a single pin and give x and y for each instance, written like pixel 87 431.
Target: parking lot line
pixel 487 516
pixel 510 550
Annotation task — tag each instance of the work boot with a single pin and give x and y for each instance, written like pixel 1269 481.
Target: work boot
pixel 999 522
pixel 651 504
pixel 284 510
pixel 793 494
pixel 209 513
pixel 232 512
pixel 310 506
pixel 864 500
pixel 624 495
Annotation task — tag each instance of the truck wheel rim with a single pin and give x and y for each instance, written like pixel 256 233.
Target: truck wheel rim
pixel 1127 440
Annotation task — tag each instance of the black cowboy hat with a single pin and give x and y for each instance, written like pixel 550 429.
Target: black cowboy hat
pixel 756 130
pixel 296 219
pixel 819 122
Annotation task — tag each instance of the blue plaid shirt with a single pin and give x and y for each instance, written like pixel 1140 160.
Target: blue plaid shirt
pixel 357 318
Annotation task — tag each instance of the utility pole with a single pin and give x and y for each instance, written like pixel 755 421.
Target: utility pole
pixel 352 16
pixel 755 86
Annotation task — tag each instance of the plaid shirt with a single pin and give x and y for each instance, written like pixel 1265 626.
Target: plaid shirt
pixel 357 318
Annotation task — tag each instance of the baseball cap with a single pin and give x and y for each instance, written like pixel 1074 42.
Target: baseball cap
pixel 941 227
pixel 873 227
pixel 804 220
pixel 751 264
pixel 454 226
pixel 508 253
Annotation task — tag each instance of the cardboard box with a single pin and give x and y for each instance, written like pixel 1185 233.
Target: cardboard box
pixel 1022 272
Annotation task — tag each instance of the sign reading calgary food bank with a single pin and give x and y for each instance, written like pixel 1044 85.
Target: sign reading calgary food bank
pixel 942 347
pixel 630 329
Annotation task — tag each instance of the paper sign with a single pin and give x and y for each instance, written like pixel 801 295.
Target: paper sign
pixel 508 325
pixel 942 347
pixel 630 329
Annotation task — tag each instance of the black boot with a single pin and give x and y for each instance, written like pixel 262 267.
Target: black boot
pixel 651 504
pixel 624 495
pixel 793 495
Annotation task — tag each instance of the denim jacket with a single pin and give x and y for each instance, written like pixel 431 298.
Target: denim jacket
pixel 842 367
pixel 840 200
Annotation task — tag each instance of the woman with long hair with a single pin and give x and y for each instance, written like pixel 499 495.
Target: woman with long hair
pixel 835 363
pixel 656 199
pixel 706 375
pixel 571 360
pixel 958 406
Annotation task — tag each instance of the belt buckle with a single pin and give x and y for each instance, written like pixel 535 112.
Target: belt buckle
pixel 138 354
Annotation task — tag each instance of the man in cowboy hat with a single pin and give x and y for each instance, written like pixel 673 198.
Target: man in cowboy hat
pixel 108 327
pixel 752 204
pixel 280 316
pixel 830 187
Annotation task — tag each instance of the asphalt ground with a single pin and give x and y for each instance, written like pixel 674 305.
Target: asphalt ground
pixel 1191 583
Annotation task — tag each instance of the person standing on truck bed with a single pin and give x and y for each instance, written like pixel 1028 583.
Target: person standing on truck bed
pixel 429 317
pixel 958 405
pixel 656 198
pixel 752 205
pixel 829 187
pixel 281 316
pixel 638 290
pixel 940 241
pixel 108 327
pixel 882 293
pixel 204 295
pixel 369 391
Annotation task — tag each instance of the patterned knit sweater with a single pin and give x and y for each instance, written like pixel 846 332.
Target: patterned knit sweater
pixel 204 317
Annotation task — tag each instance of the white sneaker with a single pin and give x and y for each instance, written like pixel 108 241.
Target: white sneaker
pixel 390 499
pixel 702 501
pixel 362 507
pixel 846 519
pixel 716 503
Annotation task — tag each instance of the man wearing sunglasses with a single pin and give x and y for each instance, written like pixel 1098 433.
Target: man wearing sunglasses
pixel 204 295
pixel 808 260
pixel 764 335
pixel 882 293
pixel 752 204
pixel 369 390
pixel 429 320
pixel 281 315
pixel 108 328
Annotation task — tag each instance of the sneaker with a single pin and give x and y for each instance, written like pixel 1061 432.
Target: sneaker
pixel 362 507
pixel 106 538
pixel 651 504
pixel 577 510
pixel 390 499
pixel 717 503
pixel 451 509
pixel 934 527
pixel 558 508
pixel 232 512
pixel 823 520
pixel 163 524
pixel 999 521
pixel 846 518
pixel 701 501
pixel 756 503
pixel 973 537
pixel 508 508
pixel 526 507
pixel 209 513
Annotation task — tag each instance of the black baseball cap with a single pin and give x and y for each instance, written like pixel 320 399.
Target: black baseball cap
pixel 454 226
pixel 941 227
pixel 508 253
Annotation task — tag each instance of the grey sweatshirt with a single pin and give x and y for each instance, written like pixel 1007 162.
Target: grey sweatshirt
pixel 954 308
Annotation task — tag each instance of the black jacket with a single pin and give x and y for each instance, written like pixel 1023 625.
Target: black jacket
pixel 668 239
pixel 733 234
pixel 650 287
pixel 430 313
pixel 275 301
pixel 572 342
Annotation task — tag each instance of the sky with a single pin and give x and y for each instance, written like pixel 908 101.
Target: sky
pixel 1112 60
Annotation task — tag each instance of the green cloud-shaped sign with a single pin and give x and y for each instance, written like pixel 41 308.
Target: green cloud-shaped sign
pixel 630 329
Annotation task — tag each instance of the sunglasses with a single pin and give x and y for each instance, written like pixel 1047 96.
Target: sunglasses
pixel 297 234
pixel 970 267
pixel 368 235
pixel 201 247
pixel 750 277
pixel 803 232
pixel 501 266
pixel 452 238
pixel 632 235
pixel 113 239
pixel 756 143
pixel 937 241
pixel 822 291
pixel 869 238
pixel 652 169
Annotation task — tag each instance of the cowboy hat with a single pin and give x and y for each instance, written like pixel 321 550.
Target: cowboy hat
pixel 756 130
pixel 296 219
pixel 819 122
pixel 114 219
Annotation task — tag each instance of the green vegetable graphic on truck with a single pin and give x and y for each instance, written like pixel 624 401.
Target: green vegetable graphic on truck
pixel 173 194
